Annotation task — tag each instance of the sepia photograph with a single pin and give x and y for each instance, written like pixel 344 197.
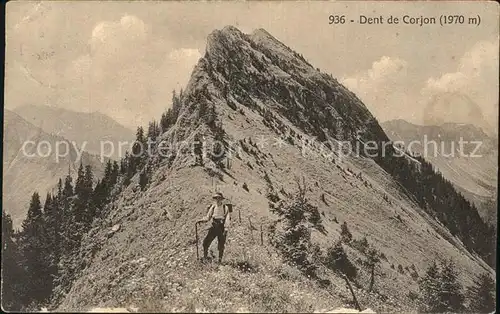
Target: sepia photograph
pixel 250 156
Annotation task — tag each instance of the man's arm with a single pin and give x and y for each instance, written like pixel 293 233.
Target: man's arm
pixel 227 223
pixel 210 212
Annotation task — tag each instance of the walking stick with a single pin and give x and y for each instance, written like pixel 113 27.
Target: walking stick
pixel 196 232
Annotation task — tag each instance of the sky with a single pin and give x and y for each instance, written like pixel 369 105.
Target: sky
pixel 124 59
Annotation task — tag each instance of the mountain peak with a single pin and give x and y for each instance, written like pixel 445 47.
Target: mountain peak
pixel 228 35
pixel 230 29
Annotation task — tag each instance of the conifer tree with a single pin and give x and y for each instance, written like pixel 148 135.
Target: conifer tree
pixel 143 179
pixel 99 197
pixel 451 294
pixel 68 229
pixel 294 240
pixel 80 201
pixel 372 261
pixel 114 173
pixel 13 277
pixel 430 285
pixel 345 234
pixel 108 172
pixel 68 187
pixel 124 163
pixel 337 260
pixel 176 105
pixel 482 295
pixel 90 209
pixel 33 251
pixel 52 222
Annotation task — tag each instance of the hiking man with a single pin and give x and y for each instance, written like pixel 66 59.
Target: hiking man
pixel 220 214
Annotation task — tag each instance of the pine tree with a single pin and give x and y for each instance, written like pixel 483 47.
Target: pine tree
pixel 294 242
pixel 482 295
pixel 430 285
pixel 114 174
pixel 143 179
pixel 153 130
pixel 345 234
pixel 139 135
pixel 108 172
pixel 90 209
pixel 14 278
pixel 52 222
pixel 372 261
pixel 33 251
pixel 451 295
pixel 99 197
pixel 198 150
pixel 337 260
pixel 124 163
pixel 67 242
pixel 139 151
pixel 80 201
pixel 176 106
pixel 68 187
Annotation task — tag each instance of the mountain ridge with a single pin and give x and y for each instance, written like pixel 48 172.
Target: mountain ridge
pixel 239 94
pixel 82 127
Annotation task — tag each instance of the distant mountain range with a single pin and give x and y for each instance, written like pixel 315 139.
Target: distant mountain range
pixel 475 177
pixel 90 128
pixel 25 172
pixel 457 108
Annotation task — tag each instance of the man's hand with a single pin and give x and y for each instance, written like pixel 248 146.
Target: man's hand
pixel 202 220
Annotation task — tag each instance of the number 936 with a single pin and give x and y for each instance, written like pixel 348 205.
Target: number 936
pixel 336 19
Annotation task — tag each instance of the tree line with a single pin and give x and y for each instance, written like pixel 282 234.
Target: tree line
pixel 441 291
pixel 40 261
pixel 438 197
pixel 39 258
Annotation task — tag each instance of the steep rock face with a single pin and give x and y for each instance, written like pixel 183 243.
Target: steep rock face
pixel 262 73
pixel 266 104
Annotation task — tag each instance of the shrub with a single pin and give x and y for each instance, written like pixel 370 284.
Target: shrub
pixel 360 245
pixel 293 237
pixel 337 260
pixel 482 295
pixel 143 179
pixel 400 269
pixel 345 234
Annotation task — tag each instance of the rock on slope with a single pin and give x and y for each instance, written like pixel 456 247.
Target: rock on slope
pixel 23 175
pixel 81 127
pixel 270 102
pixel 475 177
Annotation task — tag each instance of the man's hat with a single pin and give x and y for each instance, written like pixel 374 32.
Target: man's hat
pixel 218 195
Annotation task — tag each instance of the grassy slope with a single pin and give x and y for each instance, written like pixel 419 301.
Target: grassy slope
pixel 150 261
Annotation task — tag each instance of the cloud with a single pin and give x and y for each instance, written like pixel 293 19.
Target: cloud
pixel 121 67
pixel 475 68
pixel 381 72
pixel 184 53
pixel 476 76
pixel 127 73
pixel 383 87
